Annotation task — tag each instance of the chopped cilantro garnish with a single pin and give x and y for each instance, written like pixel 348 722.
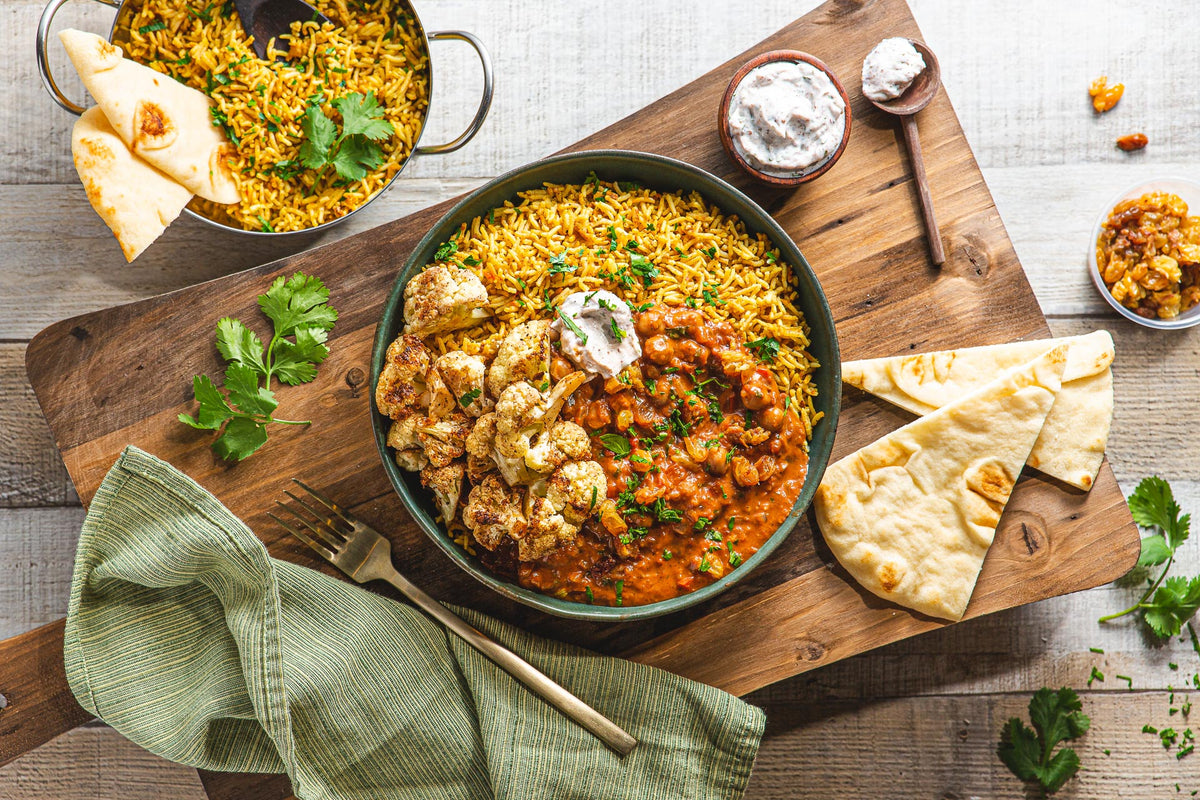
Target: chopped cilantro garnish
pixel 571 326
pixel 620 589
pixel 617 333
pixel 765 348
pixel 588 593
pixel 469 397
pixel 157 25
pixel 668 555
pixel 559 265
pixel 705 564
pixel 641 266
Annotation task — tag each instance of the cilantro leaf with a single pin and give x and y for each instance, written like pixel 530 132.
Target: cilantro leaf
pixel 1155 551
pixel 241 437
pixel 296 362
pixel 244 392
pixel 298 300
pixel 356 156
pixel 361 115
pixel 319 135
pixel 1153 506
pixel 238 343
pixel 1173 604
pixel 298 307
pixel 765 348
pixel 213 408
pixel 1057 717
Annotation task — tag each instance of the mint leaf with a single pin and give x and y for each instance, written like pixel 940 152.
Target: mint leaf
pixel 241 437
pixel 1155 550
pixel 238 343
pixel 616 444
pixel 298 300
pixel 363 115
pixel 319 135
pixel 1173 604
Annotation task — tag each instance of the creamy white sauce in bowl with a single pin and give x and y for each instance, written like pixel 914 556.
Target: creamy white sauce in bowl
pixel 890 69
pixel 786 118
pixel 596 332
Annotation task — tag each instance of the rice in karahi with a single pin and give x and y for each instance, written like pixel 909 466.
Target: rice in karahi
pixel 646 247
pixel 371 49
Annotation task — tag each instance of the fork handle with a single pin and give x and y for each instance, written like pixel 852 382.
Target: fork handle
pixel 589 718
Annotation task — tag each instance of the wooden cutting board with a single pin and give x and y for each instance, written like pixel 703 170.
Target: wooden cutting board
pixel 120 376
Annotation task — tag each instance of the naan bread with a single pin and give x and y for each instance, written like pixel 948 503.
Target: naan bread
pixel 161 120
pixel 1071 447
pixel 133 198
pixel 912 515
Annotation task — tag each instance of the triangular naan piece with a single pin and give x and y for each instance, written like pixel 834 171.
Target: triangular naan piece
pixel 163 121
pixel 912 515
pixel 1071 447
pixel 133 198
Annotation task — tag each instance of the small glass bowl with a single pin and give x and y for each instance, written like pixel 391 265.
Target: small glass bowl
pixel 1189 191
pixel 778 179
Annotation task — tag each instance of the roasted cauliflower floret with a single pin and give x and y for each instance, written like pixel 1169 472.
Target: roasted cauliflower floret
pixel 456 382
pixel 577 490
pixel 444 440
pixel 480 442
pixel 446 485
pixel 402 437
pixel 402 389
pixel 522 413
pixel 443 298
pixel 564 441
pixel 493 511
pixel 548 529
pixel 524 355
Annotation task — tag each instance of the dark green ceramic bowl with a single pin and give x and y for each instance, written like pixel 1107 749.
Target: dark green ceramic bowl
pixel 663 174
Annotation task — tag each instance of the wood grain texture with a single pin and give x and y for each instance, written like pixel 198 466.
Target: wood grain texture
pixel 1050 165
pixel 871 258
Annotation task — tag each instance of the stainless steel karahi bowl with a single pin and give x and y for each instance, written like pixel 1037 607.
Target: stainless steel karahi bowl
pixel 127 8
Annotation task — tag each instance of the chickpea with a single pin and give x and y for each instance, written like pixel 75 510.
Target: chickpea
pixel 693 352
pixel 658 350
pixel 759 390
pixel 716 461
pixel 772 418
pixel 649 324
pixel 598 415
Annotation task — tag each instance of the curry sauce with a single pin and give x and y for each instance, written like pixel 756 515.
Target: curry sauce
pixel 704 461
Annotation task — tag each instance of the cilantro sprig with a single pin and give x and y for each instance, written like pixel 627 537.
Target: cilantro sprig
pixel 1169 602
pixel 766 348
pixel 1057 717
pixel 299 308
pixel 355 151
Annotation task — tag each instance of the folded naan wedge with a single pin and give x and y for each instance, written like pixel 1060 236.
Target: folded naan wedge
pixel 1071 446
pixel 161 120
pixel 133 198
pixel 912 515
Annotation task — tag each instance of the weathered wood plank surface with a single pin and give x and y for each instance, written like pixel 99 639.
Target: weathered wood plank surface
pixel 1016 71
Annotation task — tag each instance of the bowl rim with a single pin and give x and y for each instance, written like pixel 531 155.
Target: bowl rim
pixel 820 449
pixel 1187 319
pixel 726 135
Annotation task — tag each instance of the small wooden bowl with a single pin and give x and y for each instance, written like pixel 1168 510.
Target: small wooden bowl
pixel 727 138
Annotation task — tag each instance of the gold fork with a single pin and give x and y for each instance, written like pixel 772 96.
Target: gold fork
pixel 362 553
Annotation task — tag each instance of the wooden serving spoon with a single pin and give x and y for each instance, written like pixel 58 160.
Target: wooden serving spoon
pixel 918 95
pixel 270 19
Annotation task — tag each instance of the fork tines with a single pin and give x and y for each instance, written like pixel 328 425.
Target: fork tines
pixel 327 537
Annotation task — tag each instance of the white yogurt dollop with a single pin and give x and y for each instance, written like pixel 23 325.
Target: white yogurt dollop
pixel 890 68
pixel 785 117
pixel 599 337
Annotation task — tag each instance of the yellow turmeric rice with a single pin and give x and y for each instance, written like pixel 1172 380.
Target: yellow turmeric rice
pixel 371 47
pixel 645 246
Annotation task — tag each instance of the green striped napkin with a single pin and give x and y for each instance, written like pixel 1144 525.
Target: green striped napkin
pixel 185 636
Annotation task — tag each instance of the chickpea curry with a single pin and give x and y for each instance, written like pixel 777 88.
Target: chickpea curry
pixel 703 458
